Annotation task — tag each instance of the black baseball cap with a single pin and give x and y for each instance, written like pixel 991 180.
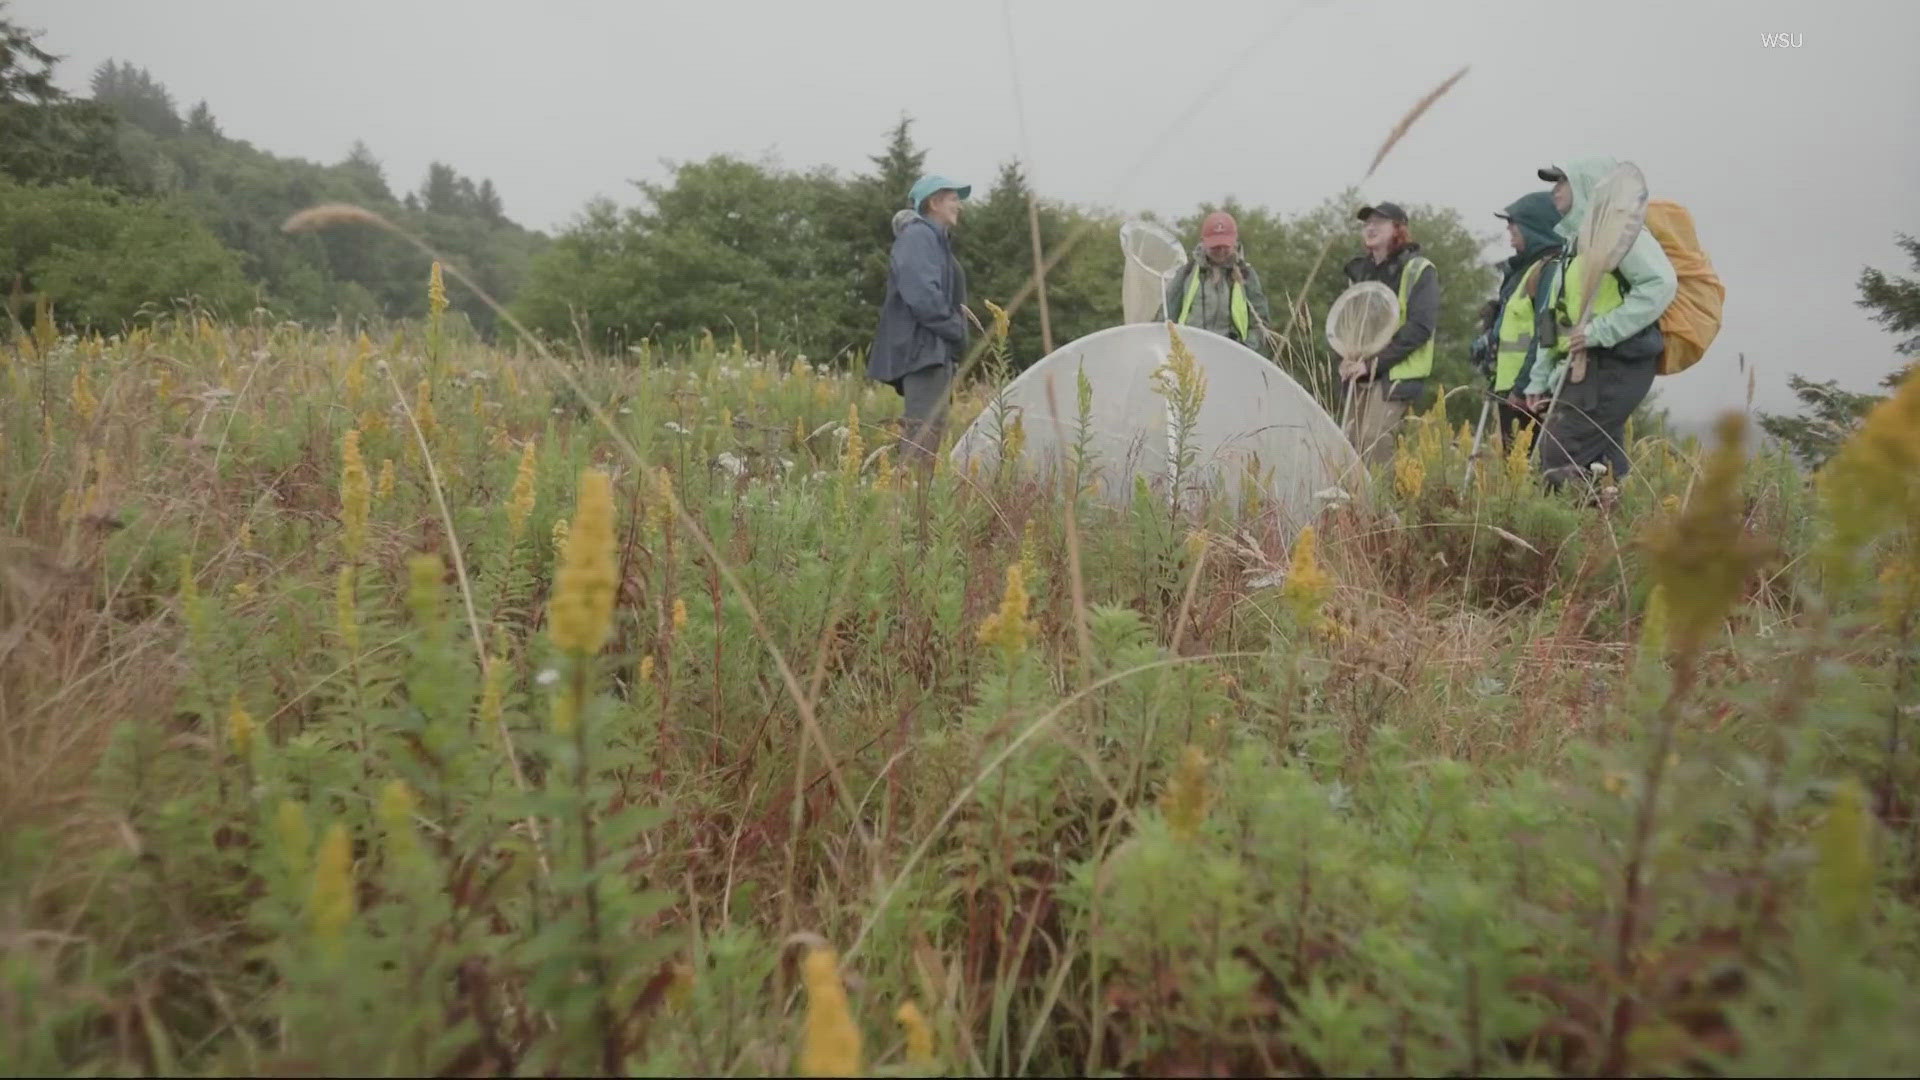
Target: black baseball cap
pixel 1390 211
pixel 1552 174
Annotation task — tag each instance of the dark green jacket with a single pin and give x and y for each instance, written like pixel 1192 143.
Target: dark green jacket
pixel 1536 216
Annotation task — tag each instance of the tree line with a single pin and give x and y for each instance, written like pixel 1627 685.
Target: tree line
pixel 122 204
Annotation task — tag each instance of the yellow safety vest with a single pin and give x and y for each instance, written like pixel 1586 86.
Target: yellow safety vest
pixel 1566 306
pixel 1418 363
pixel 1236 302
pixel 1517 324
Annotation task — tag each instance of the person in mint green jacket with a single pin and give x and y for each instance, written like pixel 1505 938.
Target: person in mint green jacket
pixel 1622 341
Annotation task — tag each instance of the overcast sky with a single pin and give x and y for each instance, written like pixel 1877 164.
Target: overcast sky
pixel 1799 162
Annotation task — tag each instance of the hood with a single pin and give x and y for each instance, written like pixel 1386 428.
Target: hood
pixel 1536 217
pixel 901 218
pixel 1583 175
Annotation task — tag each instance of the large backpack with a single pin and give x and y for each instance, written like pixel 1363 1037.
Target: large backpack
pixel 1692 320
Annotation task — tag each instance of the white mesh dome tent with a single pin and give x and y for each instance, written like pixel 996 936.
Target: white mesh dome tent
pixel 1153 255
pixel 1254 424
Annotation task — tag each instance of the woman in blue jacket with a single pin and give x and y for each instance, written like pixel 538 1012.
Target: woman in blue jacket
pixel 923 325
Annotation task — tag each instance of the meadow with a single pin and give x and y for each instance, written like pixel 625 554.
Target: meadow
pixel 401 704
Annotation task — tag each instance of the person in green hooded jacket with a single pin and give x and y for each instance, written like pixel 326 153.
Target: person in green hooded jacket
pixel 1529 281
pixel 1622 340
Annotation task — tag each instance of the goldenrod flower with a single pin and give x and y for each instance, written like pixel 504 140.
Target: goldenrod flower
pixel 646 668
pixel 436 292
pixel 355 495
pixel 396 820
pixel 831 1043
pixel 559 537
pixel 1307 586
pixel 1186 798
pixel 1870 484
pixel 799 433
pixel 1409 473
pixel 1703 555
pixel 243 536
pixel 1009 629
pixel 581 616
pixel 856 447
pixel 423 411
pixel 84 403
pixel 331 900
pixel 520 506
pixel 239 727
pixel 914 1024
pixel 1002 322
pixel 662 508
pixel 679 613
pixel 384 489
pixel 1013 439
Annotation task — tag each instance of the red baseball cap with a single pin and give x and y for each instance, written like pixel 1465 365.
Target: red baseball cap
pixel 1219 230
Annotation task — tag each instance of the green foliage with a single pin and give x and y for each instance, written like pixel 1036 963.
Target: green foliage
pixel 45 135
pixel 1209 835
pixel 101 257
pixel 1830 414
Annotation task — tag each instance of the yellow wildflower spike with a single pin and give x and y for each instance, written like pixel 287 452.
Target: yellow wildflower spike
pixel 520 506
pixel 830 1045
pixel 355 495
pixel 1186 798
pixel 913 1023
pixel 1008 629
pixel 436 292
pixel 396 820
pixel 1307 586
pixel 679 613
pixel 331 897
pixel 384 489
pixel 239 727
pixel 85 405
pixel 581 615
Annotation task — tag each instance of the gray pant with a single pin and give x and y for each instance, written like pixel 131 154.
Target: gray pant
pixel 926 412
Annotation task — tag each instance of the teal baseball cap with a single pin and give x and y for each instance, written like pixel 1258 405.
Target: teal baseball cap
pixel 932 182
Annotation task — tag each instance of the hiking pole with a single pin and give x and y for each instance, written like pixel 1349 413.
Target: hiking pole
pixel 1479 430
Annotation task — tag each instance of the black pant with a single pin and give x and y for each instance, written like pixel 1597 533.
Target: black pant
pixel 1590 421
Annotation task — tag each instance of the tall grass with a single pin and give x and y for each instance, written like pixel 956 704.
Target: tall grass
pixel 789 758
